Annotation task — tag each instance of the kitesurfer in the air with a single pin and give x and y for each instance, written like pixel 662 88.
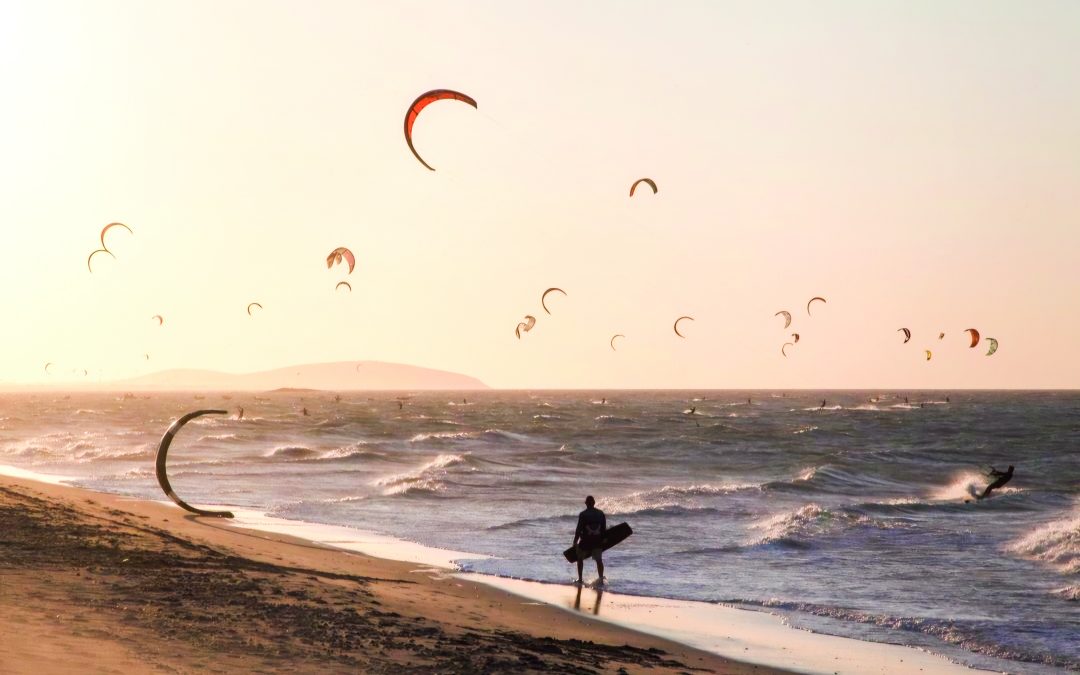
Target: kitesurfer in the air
pixel 589 538
pixel 1000 478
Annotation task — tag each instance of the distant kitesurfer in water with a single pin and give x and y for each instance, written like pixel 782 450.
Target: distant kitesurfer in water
pixel 400 405
pixel 823 402
pixel 240 413
pixel 464 401
pixel 305 412
pixel 589 538
pixel 1000 478
pixel 693 410
pixel 906 401
pixel 603 401
pixel 947 399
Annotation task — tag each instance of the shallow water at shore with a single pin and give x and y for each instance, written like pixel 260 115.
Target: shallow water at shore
pixel 849 519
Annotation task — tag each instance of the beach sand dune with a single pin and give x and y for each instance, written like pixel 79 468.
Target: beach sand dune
pixel 91 582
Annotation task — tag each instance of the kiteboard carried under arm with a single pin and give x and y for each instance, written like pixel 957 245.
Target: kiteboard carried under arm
pixel 162 453
pixel 613 536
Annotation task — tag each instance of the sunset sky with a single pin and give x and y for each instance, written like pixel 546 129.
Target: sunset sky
pixel 916 163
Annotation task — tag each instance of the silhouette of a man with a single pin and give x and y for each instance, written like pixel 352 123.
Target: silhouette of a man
pixel 1000 478
pixel 589 537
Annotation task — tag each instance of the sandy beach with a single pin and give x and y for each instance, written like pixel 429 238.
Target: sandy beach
pixel 100 583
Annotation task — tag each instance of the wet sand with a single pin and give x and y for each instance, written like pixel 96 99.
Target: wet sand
pixel 98 583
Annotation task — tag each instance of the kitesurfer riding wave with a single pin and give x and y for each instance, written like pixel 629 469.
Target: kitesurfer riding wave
pixel 1000 479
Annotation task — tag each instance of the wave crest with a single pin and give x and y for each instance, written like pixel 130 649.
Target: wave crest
pixel 426 478
pixel 668 497
pixel 1056 544
pixel 810 521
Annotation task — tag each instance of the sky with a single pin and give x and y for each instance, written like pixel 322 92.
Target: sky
pixel 915 163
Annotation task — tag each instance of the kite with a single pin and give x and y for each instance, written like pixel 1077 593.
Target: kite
pixel 104 248
pixel 147 356
pixel 160 319
pixel 163 451
pixel 993 346
pixel 786 315
pixel 337 255
pixel 346 284
pixel 106 229
pixel 906 332
pixel 526 325
pixel 647 181
pixel 675 326
pixel 422 101
pixel 251 305
pixel 796 336
pixel 811 300
pixel 974 337
pixel 929 354
pixel 544 296
pixel 47 366
pixel 612 341
pixel 91 257
pixel 941 336
pixel 784 348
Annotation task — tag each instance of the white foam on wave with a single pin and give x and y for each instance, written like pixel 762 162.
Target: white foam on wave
pixel 290 452
pixel 668 496
pixel 1056 543
pixel 448 435
pixel 966 486
pixel 1068 593
pixel 812 520
pixel 426 478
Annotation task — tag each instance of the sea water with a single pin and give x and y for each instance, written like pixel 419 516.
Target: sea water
pixel 853 518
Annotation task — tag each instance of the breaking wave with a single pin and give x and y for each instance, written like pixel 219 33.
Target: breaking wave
pixel 426 478
pixel 798 526
pixel 668 496
pixel 1056 544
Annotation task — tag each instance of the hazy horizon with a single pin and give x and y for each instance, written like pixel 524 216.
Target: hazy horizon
pixel 914 164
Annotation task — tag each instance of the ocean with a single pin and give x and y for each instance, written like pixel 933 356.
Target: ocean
pixel 850 518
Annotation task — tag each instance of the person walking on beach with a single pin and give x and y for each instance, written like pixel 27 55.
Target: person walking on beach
pixel 589 538
pixel 1000 478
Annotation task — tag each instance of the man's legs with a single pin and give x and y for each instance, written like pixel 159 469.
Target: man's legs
pixel 580 568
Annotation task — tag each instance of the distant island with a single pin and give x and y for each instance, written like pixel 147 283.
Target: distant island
pixel 340 376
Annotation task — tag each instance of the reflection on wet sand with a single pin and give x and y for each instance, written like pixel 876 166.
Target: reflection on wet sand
pixel 598 592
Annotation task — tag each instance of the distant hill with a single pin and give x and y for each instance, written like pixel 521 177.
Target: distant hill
pixel 342 376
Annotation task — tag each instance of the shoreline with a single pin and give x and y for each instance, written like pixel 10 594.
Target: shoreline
pixel 97 582
pixel 737 637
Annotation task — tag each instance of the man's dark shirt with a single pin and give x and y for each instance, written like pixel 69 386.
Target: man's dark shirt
pixel 591 526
